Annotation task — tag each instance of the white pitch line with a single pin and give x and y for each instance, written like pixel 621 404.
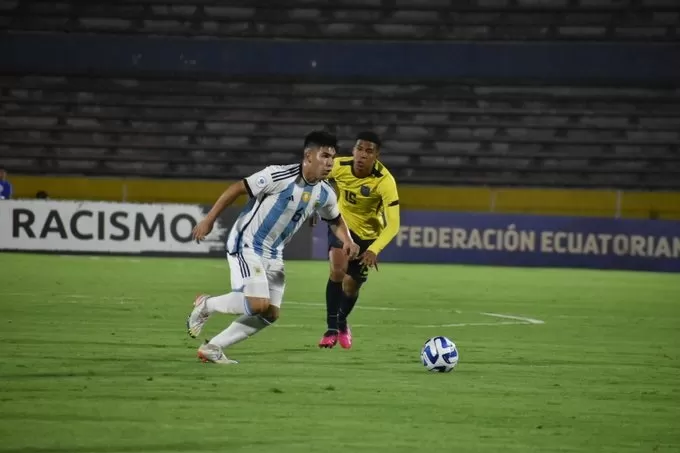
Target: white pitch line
pixel 72 296
pixel 362 307
pixel 427 326
pixel 517 318
pixel 311 326
pixel 45 294
pixel 82 296
pixel 468 324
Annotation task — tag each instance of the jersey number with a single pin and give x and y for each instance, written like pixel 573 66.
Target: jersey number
pixel 297 215
pixel 350 197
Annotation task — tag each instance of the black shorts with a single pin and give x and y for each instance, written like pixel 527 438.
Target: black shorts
pixel 354 269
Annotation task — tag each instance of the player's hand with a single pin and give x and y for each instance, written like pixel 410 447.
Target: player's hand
pixel 313 219
pixel 201 230
pixel 351 250
pixel 369 259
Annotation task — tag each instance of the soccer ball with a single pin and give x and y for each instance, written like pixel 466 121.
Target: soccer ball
pixel 439 354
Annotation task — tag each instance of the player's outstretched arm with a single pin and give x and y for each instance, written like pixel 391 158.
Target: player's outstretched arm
pixel 228 197
pixel 393 222
pixel 390 199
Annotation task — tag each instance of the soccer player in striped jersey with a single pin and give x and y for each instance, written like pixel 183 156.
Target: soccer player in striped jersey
pixel 282 197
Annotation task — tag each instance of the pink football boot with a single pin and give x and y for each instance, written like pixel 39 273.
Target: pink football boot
pixel 329 339
pixel 345 338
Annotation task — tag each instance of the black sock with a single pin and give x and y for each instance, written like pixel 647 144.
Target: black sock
pixel 334 296
pixel 348 303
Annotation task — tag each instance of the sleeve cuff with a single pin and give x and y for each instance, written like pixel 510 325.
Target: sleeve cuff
pixel 334 220
pixel 250 192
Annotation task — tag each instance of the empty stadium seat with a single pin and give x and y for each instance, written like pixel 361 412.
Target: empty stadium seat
pixel 353 19
pixel 481 134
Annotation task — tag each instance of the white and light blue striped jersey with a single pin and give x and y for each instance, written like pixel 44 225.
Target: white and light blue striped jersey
pixel 280 202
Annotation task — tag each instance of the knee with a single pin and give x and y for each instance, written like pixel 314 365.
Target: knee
pixel 258 305
pixel 337 274
pixel 338 264
pixel 350 286
pixel 272 313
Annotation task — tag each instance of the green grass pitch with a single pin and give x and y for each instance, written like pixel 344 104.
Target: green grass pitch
pixel 94 357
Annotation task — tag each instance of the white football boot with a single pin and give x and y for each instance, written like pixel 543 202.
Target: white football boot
pixel 213 353
pixel 198 317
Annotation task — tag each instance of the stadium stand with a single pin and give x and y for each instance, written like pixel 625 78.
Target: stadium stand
pixel 461 134
pixel 456 133
pixel 613 20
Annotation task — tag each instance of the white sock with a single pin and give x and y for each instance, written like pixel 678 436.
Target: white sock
pixel 231 304
pixel 243 327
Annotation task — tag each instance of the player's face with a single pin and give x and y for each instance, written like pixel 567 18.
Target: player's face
pixel 321 162
pixel 365 154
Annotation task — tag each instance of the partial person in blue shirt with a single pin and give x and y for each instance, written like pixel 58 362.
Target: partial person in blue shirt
pixel 5 186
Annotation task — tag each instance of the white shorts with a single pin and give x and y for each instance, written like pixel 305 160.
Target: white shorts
pixel 256 276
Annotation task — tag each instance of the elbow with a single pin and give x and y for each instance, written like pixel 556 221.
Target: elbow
pixel 394 230
pixel 338 221
pixel 242 188
pixel 393 224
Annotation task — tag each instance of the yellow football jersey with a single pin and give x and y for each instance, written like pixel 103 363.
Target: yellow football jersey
pixel 370 205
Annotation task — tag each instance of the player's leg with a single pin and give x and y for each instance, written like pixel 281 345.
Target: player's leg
pixel 247 325
pixel 351 284
pixel 338 266
pixel 357 274
pixel 263 311
pixel 258 313
pixel 277 282
pixel 205 305
pixel 230 303
pixel 350 289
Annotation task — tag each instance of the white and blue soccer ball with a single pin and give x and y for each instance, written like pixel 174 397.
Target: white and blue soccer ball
pixel 439 355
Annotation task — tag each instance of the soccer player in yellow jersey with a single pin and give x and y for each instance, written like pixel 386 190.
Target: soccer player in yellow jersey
pixel 369 203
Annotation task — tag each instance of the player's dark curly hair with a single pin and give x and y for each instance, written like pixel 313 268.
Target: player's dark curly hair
pixel 370 136
pixel 321 138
